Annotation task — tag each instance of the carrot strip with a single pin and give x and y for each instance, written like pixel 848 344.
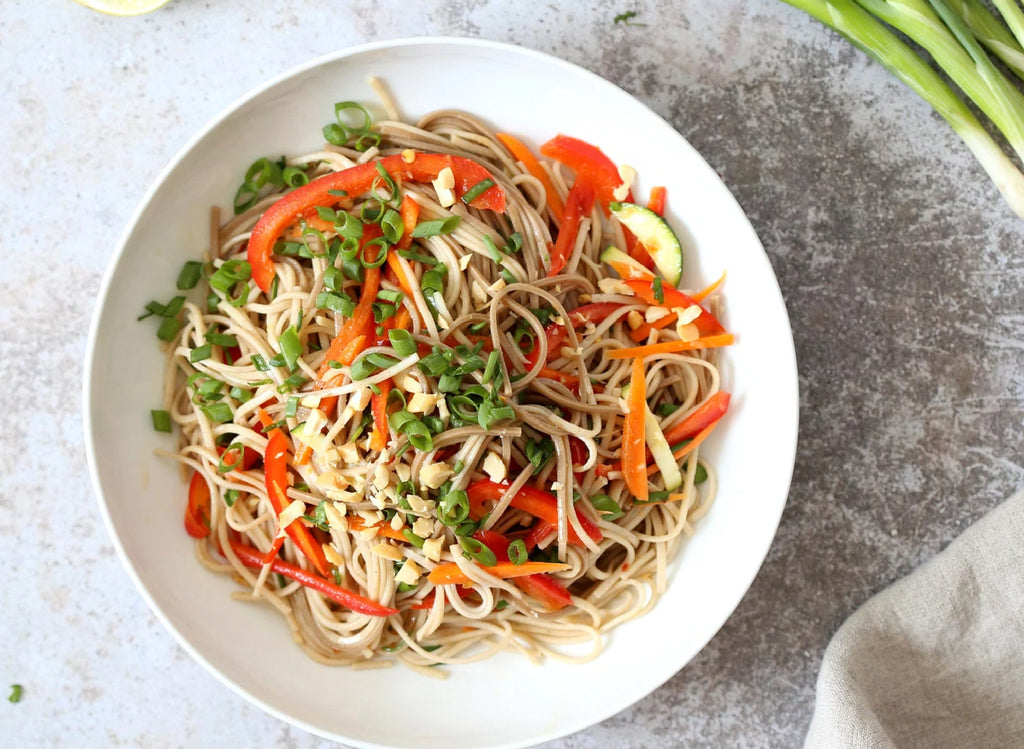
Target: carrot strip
pixel 356 524
pixel 523 154
pixel 707 290
pixel 671 347
pixel 657 200
pixel 450 574
pixel 378 404
pixel 634 445
pixel 645 328
pixel 410 213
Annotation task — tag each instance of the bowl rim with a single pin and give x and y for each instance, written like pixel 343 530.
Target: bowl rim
pixel 787 359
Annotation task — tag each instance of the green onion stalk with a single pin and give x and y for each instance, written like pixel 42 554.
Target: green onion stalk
pixel 952 43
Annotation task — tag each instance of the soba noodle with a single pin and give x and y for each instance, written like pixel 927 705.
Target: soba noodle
pixel 564 440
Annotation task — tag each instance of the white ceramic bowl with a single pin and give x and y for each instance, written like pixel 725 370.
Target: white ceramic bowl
pixel 506 701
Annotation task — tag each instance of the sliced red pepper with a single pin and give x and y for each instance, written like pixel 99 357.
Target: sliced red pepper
pixel 378 405
pixel 428 602
pixel 250 557
pixel 578 205
pixel 708 413
pixel 556 334
pixel 197 512
pixel 356 181
pixel 275 466
pixel 540 530
pixel 707 324
pixel 590 165
pixel 495 542
pixel 536 502
pixel 545 589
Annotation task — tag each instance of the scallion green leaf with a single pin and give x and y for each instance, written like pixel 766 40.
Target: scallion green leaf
pixel 426 229
pixel 200 353
pixel 478 551
pixel 607 506
pixel 291 347
pixel 218 412
pixel 161 420
pixel 190 274
pixel 517 553
pixel 402 342
pixel 477 190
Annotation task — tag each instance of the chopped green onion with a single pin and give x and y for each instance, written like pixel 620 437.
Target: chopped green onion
pixel 190 274
pixel 492 249
pixel 433 364
pixel 260 363
pixel 659 290
pixel 418 257
pixel 15 693
pixel 382 253
pixel 666 409
pixel 231 496
pixel 491 414
pixel 291 348
pixel 453 508
pixel 477 551
pixel 426 229
pixel 230 273
pixel 294 177
pixel 340 303
pixel 292 383
pixel 200 353
pixel 413 538
pixel 390 184
pixel 235 448
pixel 517 553
pixel 539 452
pixel 392 226
pixel 402 342
pixel 607 506
pixel 477 190
pixel 362 368
pixel 502 604
pixel 161 420
pixel 291 407
pixel 222 339
pixel 700 474
pixel 514 244
pixel 218 412
pixel 334 279
pixel 493 367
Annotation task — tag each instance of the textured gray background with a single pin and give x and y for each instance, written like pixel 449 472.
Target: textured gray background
pixel 899 263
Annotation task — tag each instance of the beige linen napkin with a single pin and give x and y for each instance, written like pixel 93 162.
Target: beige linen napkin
pixel 937 659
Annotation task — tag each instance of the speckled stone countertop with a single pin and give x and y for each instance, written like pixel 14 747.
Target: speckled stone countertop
pixel 900 265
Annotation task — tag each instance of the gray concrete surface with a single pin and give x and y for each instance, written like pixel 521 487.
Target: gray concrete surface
pixel 900 265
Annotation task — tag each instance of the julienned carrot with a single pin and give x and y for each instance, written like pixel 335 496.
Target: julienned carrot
pixel 657 200
pixel 378 406
pixel 250 557
pixel 361 323
pixel 521 152
pixel 672 347
pixel 634 447
pixel 701 295
pixel 688 448
pixel 356 524
pixel 410 213
pixel 450 574
pixel 645 328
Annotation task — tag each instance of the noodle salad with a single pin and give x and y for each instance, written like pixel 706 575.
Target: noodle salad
pixel 438 397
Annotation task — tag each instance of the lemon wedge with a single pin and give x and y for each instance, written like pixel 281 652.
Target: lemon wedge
pixel 123 7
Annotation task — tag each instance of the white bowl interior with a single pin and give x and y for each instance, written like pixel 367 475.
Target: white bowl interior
pixel 249 647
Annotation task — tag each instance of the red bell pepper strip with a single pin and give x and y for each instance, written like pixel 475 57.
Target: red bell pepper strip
pixel 536 502
pixel 634 447
pixel 590 165
pixel 495 542
pixel 378 405
pixel 707 324
pixel 556 334
pixel 545 589
pixel 540 530
pixel 250 557
pixel 706 414
pixel 578 205
pixel 275 464
pixel 197 512
pixel 657 200
pixel 356 181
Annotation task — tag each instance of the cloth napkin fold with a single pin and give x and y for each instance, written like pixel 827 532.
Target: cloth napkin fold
pixel 937 659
